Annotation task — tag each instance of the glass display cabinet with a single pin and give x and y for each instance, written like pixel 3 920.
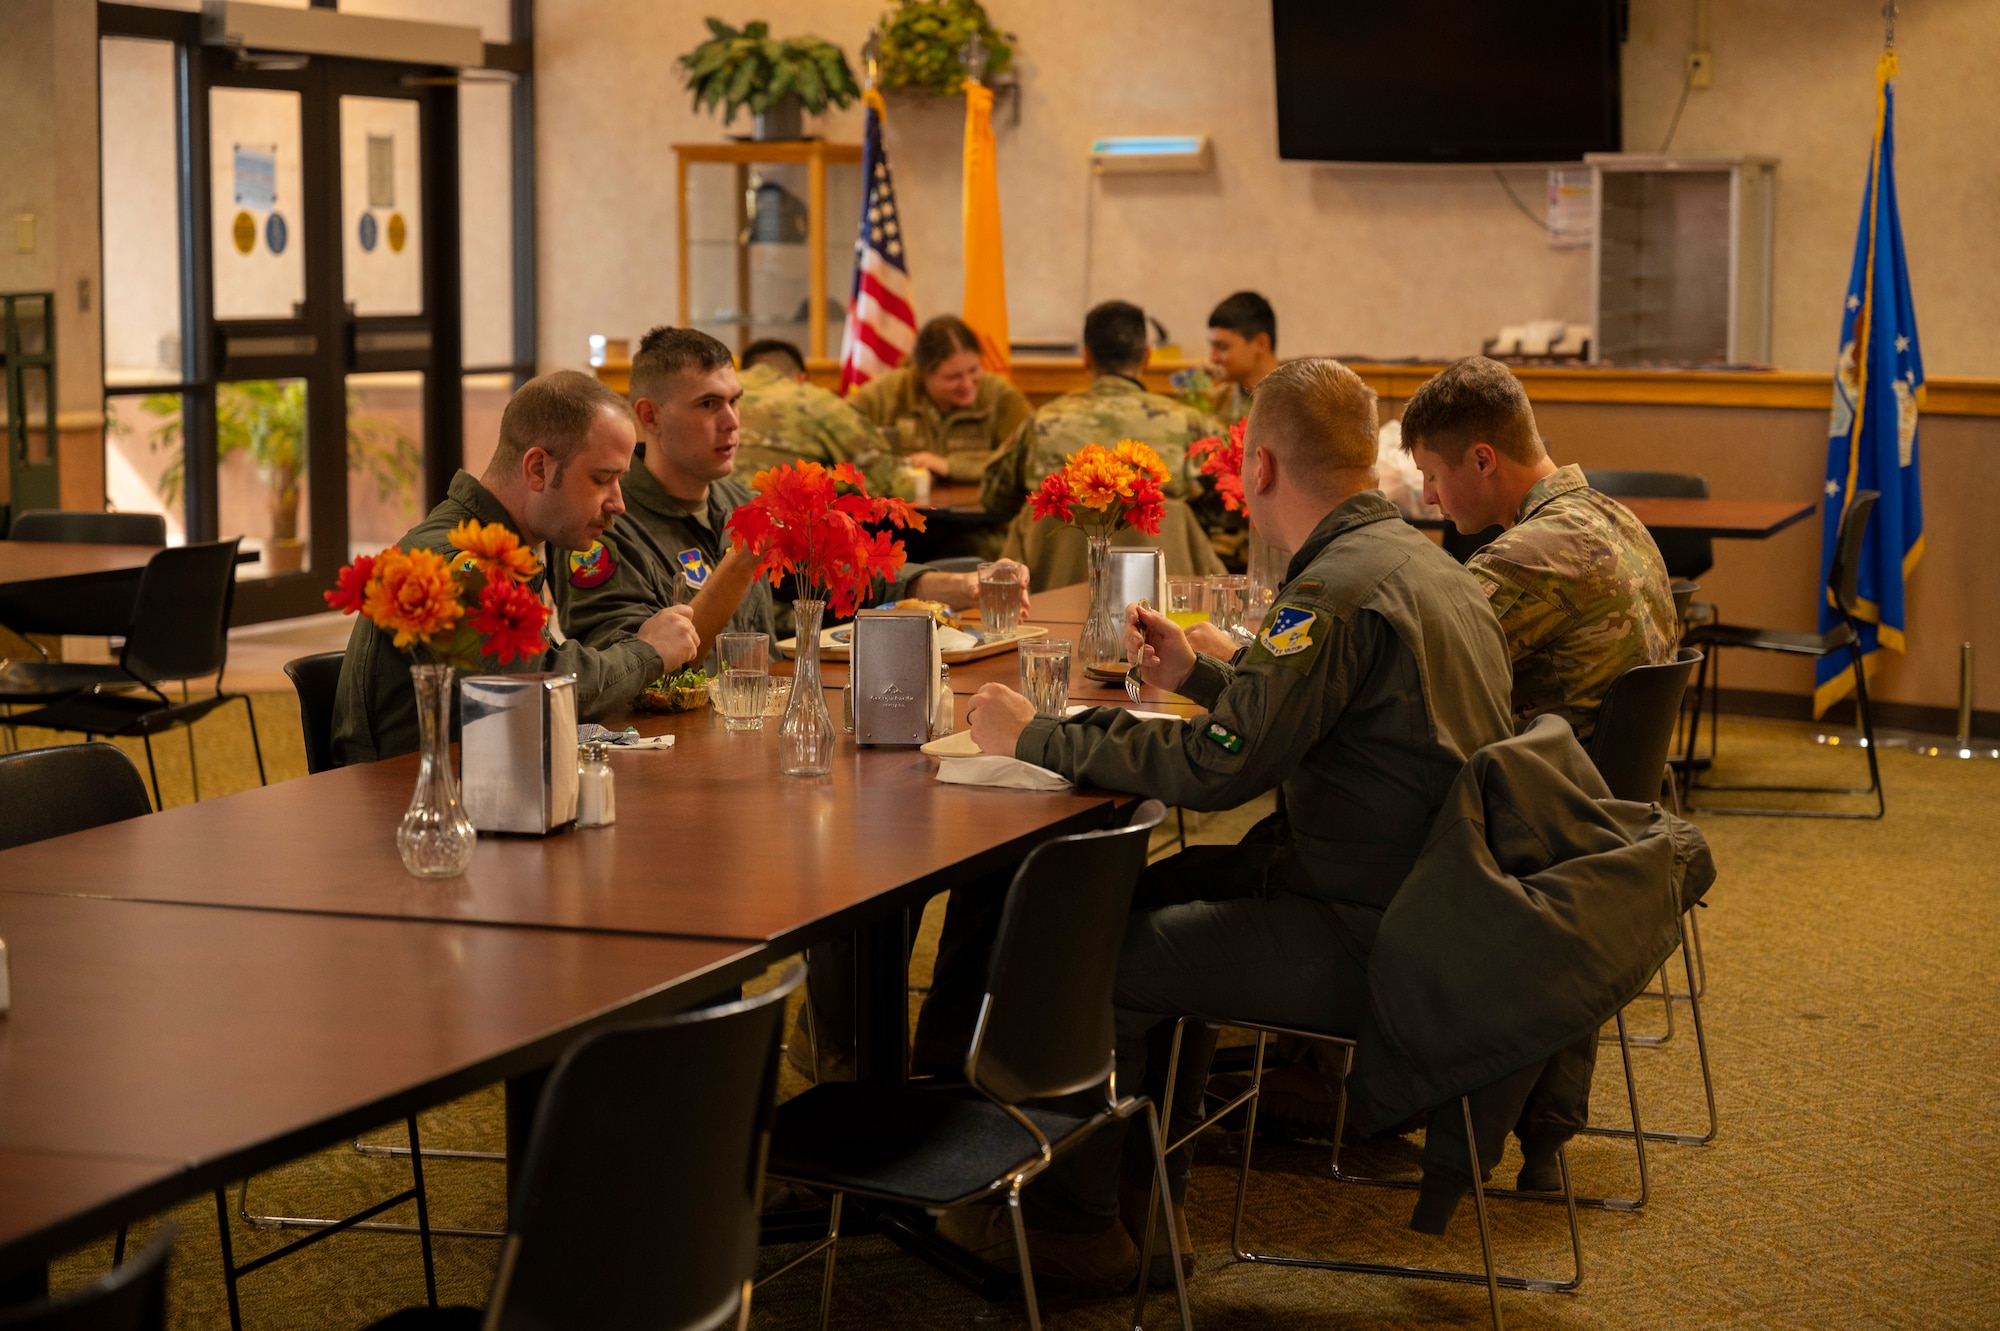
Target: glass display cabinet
pixel 767 240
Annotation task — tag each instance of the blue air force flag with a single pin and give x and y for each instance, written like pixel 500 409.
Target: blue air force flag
pixel 1878 388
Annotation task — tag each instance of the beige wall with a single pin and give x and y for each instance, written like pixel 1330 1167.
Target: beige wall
pixel 1387 261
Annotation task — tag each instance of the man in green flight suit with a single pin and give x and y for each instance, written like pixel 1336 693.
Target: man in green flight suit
pixel 565 443
pixel 1376 673
pixel 785 417
pixel 1117 405
pixel 672 539
pixel 1575 580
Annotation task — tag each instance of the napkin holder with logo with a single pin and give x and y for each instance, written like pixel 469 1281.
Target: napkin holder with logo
pixel 517 751
pixel 895 674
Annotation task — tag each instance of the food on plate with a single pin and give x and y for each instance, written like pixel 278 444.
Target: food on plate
pixel 684 690
pixel 938 610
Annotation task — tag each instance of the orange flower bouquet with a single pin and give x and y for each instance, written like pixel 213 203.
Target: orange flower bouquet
pixel 451 610
pixel 1223 461
pixel 814 523
pixel 1102 489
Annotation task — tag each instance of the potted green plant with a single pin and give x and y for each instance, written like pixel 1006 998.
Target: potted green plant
pixel 922 41
pixel 266 418
pixel 777 80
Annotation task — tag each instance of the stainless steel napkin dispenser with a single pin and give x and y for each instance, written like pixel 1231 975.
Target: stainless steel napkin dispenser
pixel 1137 573
pixel 517 751
pixel 895 673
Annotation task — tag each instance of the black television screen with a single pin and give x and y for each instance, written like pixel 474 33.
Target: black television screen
pixel 1447 80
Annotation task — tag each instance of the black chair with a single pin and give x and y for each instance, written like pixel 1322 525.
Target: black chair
pixel 129 1297
pixel 82 527
pixel 1634 735
pixel 638 1194
pixel 317 679
pixel 1842 585
pixel 1045 1031
pixel 52 792
pixel 180 631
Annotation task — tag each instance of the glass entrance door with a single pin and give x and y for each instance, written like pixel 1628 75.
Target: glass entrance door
pixel 311 405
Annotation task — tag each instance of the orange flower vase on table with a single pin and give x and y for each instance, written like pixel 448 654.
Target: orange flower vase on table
pixel 449 612
pixel 1098 490
pixel 820 526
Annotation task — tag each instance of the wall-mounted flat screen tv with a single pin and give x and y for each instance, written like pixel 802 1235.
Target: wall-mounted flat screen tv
pixel 1447 80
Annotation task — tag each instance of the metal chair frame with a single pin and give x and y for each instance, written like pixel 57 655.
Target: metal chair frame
pixel 1489 1277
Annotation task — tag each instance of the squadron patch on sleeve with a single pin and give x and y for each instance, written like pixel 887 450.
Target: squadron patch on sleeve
pixel 1227 738
pixel 1291 636
pixel 592 567
pixel 694 565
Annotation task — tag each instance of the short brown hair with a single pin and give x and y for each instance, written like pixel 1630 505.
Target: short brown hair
pixel 665 352
pixel 1318 417
pixel 941 339
pixel 1472 401
pixel 554 413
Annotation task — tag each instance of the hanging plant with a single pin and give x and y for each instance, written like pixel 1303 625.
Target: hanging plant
pixel 751 69
pixel 922 39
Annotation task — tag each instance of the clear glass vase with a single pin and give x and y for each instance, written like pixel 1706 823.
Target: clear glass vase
pixel 1103 639
pixel 435 838
pixel 805 736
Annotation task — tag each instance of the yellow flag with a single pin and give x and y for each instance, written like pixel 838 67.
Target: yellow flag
pixel 985 305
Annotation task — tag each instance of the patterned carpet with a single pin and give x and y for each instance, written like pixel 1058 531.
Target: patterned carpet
pixel 1855 1028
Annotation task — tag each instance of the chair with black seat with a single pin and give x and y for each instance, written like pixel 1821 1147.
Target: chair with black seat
pixel 1045 1031
pixel 83 527
pixel 180 632
pixel 1843 589
pixel 1630 746
pixel 68 788
pixel 639 1190
pixel 129 1297
pixel 317 679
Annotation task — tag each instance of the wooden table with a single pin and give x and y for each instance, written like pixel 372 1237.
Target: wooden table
pixel 158 1051
pixel 73 587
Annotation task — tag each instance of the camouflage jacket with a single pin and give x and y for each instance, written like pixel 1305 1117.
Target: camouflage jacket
pixel 967 437
pixel 1582 595
pixel 375 705
pixel 1112 408
pixel 785 421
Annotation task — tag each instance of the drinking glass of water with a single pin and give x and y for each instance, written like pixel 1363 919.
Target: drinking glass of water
pixel 1229 602
pixel 1045 674
pixel 746 678
pixel 1000 589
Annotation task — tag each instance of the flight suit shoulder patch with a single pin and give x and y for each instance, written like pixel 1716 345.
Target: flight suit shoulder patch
pixel 1291 636
pixel 592 567
pixel 1224 736
pixel 694 564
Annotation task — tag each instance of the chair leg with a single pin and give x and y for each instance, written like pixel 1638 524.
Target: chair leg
pixel 158 803
pixel 1021 1251
pixel 423 1213
pixel 1158 1193
pixel 1479 1210
pixel 826 1274
pixel 194 767
pixel 1865 716
pixel 255 747
pixel 228 1259
pixel 118 1249
pixel 1693 999
pixel 743 1307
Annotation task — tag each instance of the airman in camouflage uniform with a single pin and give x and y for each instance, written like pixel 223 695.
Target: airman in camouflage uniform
pixel 1114 407
pixel 968 438
pixel 1582 595
pixel 785 420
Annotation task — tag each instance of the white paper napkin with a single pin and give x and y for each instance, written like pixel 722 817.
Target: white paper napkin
pixel 954 640
pixel 993 769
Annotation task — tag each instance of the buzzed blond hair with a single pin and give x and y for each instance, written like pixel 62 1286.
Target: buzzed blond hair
pixel 1318 417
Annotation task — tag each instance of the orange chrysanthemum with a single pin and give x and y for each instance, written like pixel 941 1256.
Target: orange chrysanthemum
pixel 412 595
pixel 493 547
pixel 1122 485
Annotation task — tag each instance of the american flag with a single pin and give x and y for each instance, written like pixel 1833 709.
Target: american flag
pixel 881 325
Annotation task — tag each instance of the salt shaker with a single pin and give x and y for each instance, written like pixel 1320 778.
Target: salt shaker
pixel 944 717
pixel 596 802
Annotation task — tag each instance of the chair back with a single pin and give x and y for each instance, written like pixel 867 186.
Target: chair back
pixel 180 621
pixel 1045 1029
pixel 129 1297
pixel 639 1191
pixel 1685 554
pixel 1843 579
pixel 86 528
pixel 1635 726
pixel 317 679
pixel 52 792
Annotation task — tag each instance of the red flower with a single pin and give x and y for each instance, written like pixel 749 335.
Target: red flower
pixel 347 598
pixel 510 617
pixel 814 523
pixel 1225 463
